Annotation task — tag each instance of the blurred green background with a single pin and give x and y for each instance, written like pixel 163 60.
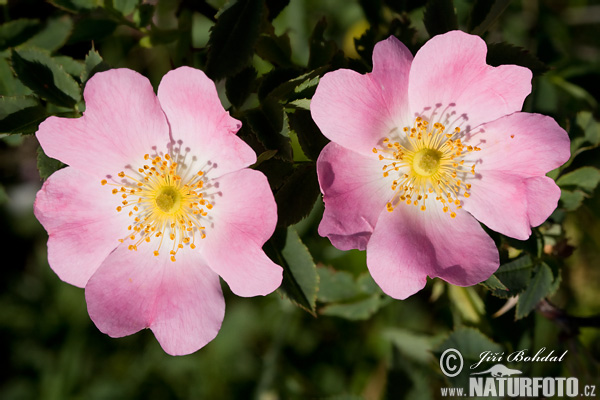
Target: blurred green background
pixel 359 344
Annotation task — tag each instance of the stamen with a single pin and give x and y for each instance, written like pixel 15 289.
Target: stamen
pixel 426 158
pixel 165 201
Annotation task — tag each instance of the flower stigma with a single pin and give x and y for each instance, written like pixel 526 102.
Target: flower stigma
pixel 426 161
pixel 166 202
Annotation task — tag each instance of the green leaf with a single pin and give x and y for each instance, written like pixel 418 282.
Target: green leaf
pixel 505 53
pixel 92 65
pixel 470 343
pixel 515 276
pixel 303 104
pixel 355 311
pixel 54 35
pixel 232 38
pixel 21 114
pixel 336 286
pixel 571 200
pixel 485 13
pixel 71 66
pixel 264 156
pixel 309 135
pixel 267 124
pixel 414 346
pixel 493 283
pixel 75 5
pixel 467 302
pixel 125 7
pixel 591 128
pixel 575 91
pixel 300 278
pixel 347 297
pixel 10 85
pixel 440 17
pixel 296 197
pixel 585 178
pixel 45 77
pixel 46 165
pixel 301 87
pixel 275 49
pixel 539 287
pixel 18 31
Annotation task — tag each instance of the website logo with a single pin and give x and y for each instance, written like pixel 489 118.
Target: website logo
pixel 503 381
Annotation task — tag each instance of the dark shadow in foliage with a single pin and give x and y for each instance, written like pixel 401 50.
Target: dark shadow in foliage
pixel 239 87
pixel 296 197
pixel 199 6
pixel 310 137
pixel 232 39
pixel 267 124
pixel 323 51
pixel 16 32
pixel 26 120
pixel 372 10
pixel 275 7
pixel 440 17
pixel 505 53
pixel 402 6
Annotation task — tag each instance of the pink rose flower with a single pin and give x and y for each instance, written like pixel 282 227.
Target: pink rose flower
pixel 422 149
pixel 155 205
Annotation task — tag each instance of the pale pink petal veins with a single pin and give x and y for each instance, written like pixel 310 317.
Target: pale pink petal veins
pixel 356 111
pixel 82 229
pixel 197 119
pixel 509 192
pixel 408 245
pixel 354 193
pixel 245 215
pixel 181 302
pixel 122 122
pixel 449 76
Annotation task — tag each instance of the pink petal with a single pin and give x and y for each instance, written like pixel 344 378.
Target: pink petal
pixel 122 122
pixel 83 227
pixel 356 111
pixel 181 302
pixel 509 192
pixel 512 204
pixel 197 119
pixel 449 76
pixel 354 192
pixel 244 218
pixel 521 144
pixel 542 198
pixel 408 245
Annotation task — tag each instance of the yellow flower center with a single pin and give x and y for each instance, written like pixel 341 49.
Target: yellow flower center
pixel 166 201
pixel 169 200
pixel 426 161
